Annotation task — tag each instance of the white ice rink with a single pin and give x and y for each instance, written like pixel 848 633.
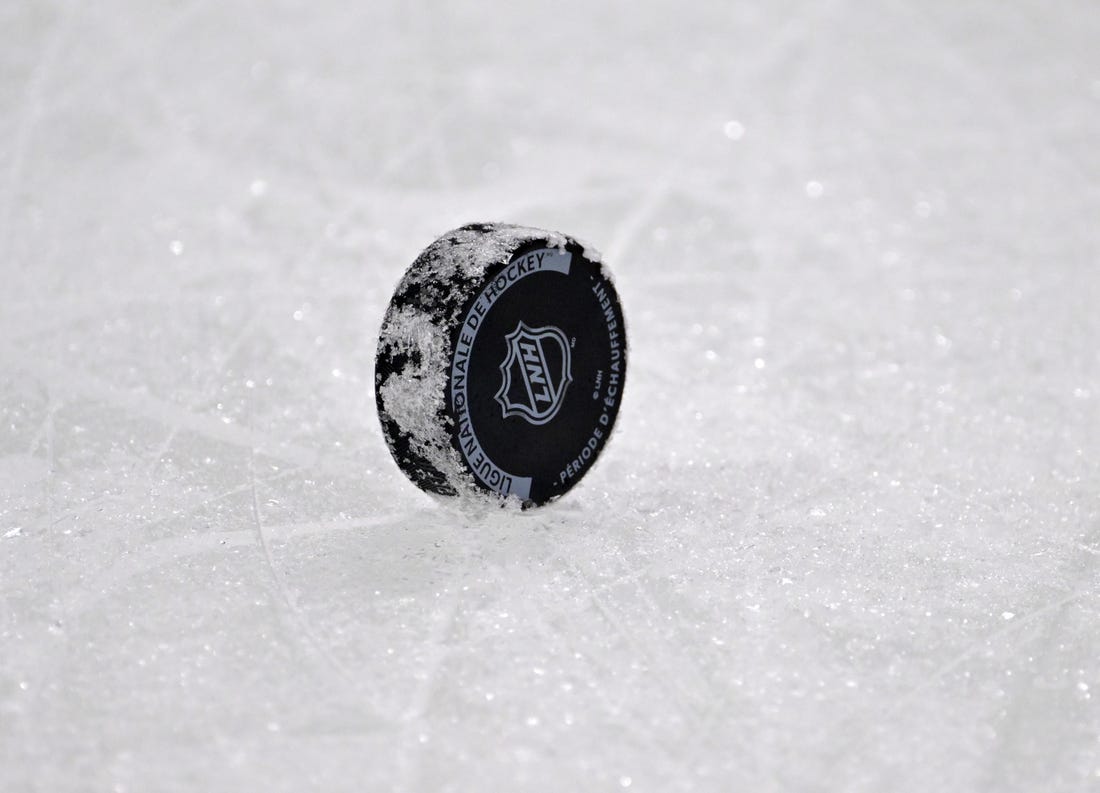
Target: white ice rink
pixel 846 538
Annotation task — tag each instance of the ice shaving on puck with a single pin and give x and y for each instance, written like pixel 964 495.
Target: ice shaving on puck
pixel 501 364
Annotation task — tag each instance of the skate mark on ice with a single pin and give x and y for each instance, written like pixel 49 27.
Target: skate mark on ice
pixel 129 51
pixel 668 681
pixel 294 618
pixel 631 225
pixel 173 550
pixel 28 120
pixel 1014 725
pixel 440 642
pixel 855 730
pixel 597 665
pixel 85 385
pixel 209 386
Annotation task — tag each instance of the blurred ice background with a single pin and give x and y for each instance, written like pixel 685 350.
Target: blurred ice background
pixel 846 537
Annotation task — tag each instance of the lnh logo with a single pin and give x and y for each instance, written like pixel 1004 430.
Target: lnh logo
pixel 536 372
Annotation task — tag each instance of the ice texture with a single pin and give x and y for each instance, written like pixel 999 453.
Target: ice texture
pixel 414 398
pixel 466 252
pixel 846 538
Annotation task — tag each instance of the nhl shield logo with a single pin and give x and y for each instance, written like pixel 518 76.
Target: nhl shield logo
pixel 536 372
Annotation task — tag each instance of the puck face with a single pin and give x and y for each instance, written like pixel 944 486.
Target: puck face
pixel 537 372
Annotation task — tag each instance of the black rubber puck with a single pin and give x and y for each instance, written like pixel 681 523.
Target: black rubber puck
pixel 501 363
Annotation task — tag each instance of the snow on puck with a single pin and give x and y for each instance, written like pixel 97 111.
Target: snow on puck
pixel 501 363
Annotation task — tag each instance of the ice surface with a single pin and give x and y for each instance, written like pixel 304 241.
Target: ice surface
pixel 846 536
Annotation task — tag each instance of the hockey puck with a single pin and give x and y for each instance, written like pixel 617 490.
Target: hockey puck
pixel 501 364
